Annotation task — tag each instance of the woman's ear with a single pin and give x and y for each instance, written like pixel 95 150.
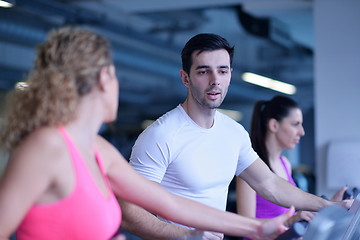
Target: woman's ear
pixel 104 77
pixel 184 78
pixel 273 125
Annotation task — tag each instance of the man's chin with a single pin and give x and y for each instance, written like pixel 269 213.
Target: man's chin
pixel 214 106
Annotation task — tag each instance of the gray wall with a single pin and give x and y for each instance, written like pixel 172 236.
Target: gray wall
pixel 337 97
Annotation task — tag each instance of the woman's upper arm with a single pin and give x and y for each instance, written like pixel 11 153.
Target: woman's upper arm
pixel 27 175
pixel 128 184
pixel 245 199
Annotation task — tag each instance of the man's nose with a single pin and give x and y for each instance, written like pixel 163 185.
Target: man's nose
pixel 215 80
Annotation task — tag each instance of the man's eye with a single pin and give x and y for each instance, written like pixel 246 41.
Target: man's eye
pixel 203 72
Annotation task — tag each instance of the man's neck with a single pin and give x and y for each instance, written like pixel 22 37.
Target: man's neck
pixel 201 116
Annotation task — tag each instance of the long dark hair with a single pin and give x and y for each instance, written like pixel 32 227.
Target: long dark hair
pixel 277 108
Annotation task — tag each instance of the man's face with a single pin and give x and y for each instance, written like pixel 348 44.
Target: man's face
pixel 209 79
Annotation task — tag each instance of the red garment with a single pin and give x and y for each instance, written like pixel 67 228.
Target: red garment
pixel 85 214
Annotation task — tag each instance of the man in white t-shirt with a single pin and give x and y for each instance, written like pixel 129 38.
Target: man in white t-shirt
pixel 195 151
pixel 193 161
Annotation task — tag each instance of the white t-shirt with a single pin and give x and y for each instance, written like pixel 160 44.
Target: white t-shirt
pixel 192 161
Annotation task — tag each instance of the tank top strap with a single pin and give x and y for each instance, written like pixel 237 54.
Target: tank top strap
pixel 102 168
pixel 99 161
pixel 75 156
pixel 290 179
pixel 68 142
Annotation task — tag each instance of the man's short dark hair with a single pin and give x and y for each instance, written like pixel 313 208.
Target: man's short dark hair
pixel 204 42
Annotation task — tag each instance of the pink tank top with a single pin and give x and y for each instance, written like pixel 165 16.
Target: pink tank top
pixel 266 209
pixel 85 214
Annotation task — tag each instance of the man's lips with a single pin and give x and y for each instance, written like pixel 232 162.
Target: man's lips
pixel 213 94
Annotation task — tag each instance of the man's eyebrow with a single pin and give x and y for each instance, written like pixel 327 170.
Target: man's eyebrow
pixel 206 66
pixel 202 66
pixel 224 66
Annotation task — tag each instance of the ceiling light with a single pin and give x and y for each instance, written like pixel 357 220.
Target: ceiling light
pixel 7 3
pixel 269 83
pixel 21 85
pixel 146 123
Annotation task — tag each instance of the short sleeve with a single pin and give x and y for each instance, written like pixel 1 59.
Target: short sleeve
pixel 150 154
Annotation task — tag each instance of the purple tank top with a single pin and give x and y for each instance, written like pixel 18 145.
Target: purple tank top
pixel 266 209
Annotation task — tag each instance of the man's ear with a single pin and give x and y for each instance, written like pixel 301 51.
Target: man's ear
pixel 184 78
pixel 273 125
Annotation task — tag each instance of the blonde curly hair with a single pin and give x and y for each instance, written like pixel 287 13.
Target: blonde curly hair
pixel 66 68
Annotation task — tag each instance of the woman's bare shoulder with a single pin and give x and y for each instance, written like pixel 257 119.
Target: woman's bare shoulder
pixel 43 143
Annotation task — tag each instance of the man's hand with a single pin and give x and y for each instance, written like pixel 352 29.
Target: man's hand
pixel 272 228
pixel 338 196
pixel 301 216
pixel 345 203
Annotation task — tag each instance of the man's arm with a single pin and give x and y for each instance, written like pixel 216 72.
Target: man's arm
pixel 245 199
pixel 279 191
pixel 154 198
pixel 143 224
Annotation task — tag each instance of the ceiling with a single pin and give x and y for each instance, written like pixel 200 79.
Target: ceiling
pixel 271 37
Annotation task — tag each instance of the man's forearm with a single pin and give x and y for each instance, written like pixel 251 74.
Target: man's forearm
pixel 279 191
pixel 143 224
pixel 283 193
